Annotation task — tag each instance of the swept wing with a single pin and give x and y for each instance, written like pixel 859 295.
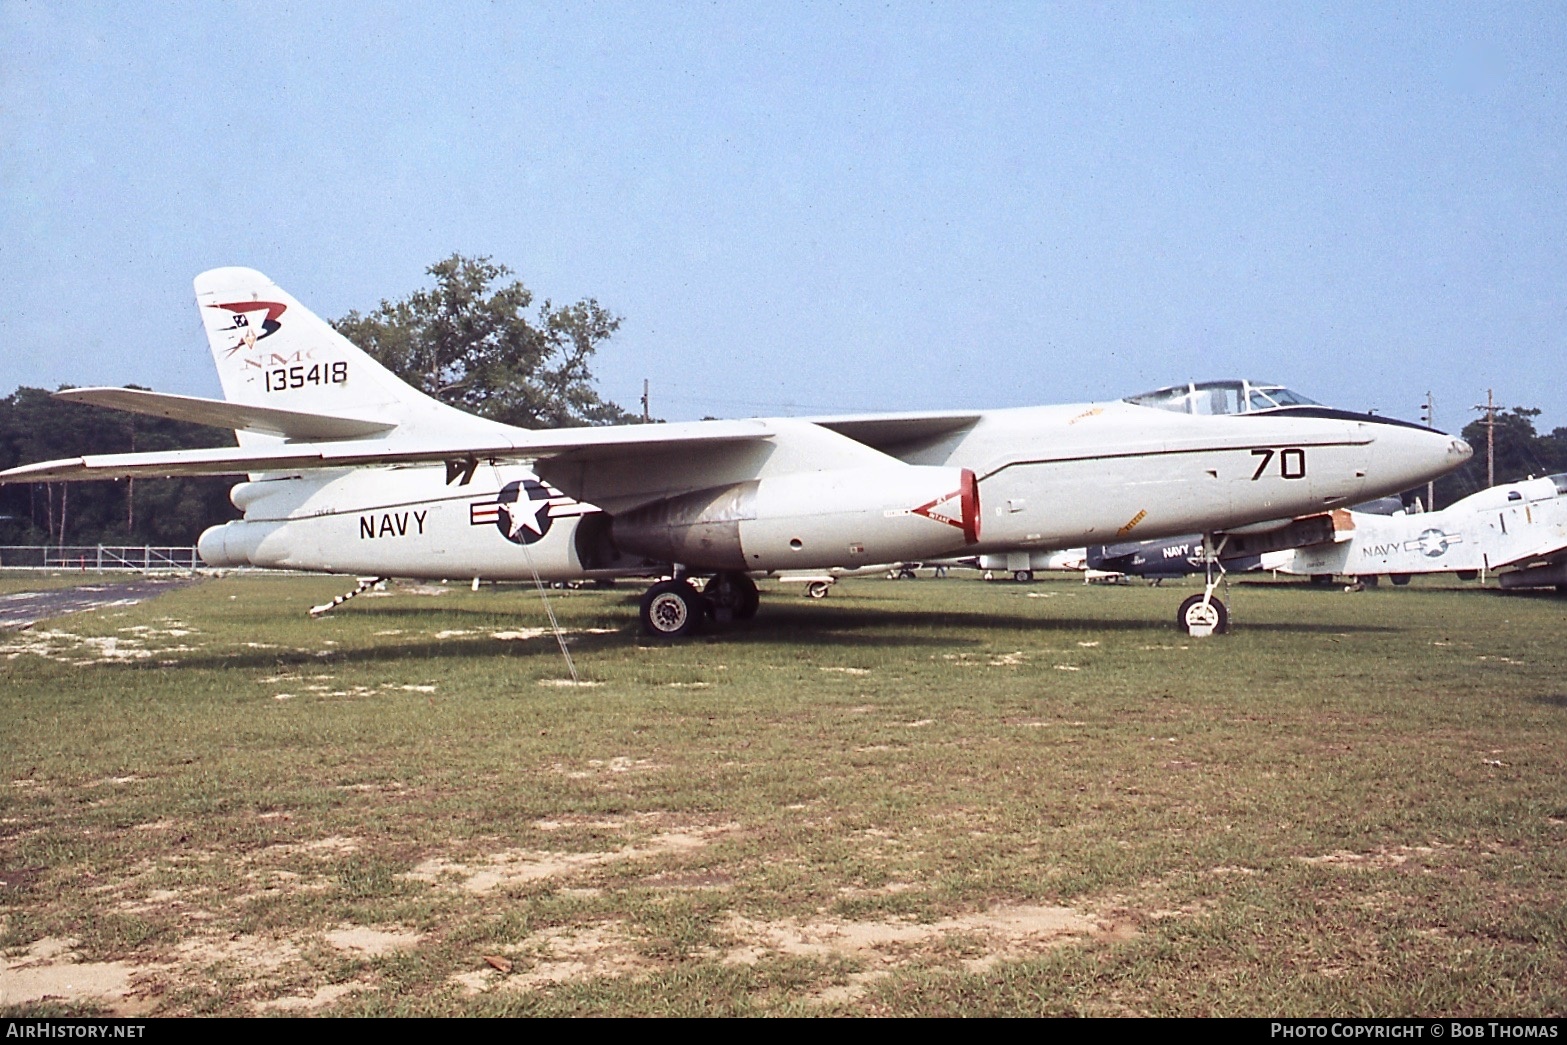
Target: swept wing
pixel 582 444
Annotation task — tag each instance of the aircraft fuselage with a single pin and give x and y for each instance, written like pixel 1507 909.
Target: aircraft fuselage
pixel 1045 478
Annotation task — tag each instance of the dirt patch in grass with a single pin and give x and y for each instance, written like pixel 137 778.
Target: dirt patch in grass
pixel 517 866
pixel 972 943
pixel 1000 934
pixel 361 939
pixel 335 845
pixel 250 953
pixel 555 956
pixel 50 971
pixel 1378 860
pixel 85 650
pixel 595 767
pixel 321 996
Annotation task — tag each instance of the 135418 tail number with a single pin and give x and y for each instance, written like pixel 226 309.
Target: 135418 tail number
pixel 281 379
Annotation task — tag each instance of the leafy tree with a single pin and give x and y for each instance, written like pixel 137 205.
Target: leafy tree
pixel 1520 452
pixel 470 341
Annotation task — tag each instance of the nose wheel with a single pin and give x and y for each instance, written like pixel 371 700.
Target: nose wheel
pixel 1204 614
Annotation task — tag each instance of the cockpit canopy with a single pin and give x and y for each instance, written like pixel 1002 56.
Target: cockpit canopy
pixel 1221 397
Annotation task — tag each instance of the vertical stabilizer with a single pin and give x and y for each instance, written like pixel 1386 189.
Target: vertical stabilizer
pixel 272 351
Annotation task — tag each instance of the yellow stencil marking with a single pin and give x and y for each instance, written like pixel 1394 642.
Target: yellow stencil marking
pixel 1139 517
pixel 1086 414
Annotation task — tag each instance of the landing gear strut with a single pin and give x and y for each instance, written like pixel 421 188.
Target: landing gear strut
pixel 365 584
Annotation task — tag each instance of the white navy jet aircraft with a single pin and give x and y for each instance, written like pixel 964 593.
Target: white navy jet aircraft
pixel 349 470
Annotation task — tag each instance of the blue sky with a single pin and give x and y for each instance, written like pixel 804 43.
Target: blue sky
pixel 818 207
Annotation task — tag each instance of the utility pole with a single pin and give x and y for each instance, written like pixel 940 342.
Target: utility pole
pixel 1428 418
pixel 1490 438
pixel 646 418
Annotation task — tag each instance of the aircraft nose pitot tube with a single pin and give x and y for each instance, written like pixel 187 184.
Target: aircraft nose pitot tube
pixel 847 517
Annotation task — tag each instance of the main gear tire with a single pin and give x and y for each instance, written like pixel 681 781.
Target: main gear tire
pixel 672 610
pixel 734 592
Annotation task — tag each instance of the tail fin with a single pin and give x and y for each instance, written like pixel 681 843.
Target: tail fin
pixel 271 351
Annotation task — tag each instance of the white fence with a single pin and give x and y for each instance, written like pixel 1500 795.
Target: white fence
pixel 98 557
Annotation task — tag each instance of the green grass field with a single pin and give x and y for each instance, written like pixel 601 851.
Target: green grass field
pixel 925 797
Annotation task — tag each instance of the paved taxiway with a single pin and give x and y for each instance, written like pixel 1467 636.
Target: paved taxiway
pixel 26 608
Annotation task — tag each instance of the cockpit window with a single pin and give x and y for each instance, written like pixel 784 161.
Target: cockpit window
pixel 1220 397
pixel 1561 484
pixel 1285 397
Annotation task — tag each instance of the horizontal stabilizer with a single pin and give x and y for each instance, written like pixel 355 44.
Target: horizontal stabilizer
pixel 290 424
pixel 523 447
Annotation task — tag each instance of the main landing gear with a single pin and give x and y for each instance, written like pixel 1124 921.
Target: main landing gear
pixel 732 596
pixel 1205 614
pixel 674 609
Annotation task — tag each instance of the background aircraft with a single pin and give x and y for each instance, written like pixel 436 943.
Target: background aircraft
pixel 1022 565
pixel 1162 560
pixel 1517 530
pixel 1182 556
pixel 352 471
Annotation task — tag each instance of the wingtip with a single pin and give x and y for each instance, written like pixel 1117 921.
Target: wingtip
pixel 44 471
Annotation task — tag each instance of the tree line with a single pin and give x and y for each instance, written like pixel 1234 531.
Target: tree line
pixel 34 426
pixel 1518 451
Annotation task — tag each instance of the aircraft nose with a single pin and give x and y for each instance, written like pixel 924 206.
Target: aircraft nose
pixel 1407 455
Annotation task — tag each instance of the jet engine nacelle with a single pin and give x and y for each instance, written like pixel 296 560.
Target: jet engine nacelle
pixel 848 517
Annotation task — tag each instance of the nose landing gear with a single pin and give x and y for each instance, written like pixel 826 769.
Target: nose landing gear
pixel 1205 614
